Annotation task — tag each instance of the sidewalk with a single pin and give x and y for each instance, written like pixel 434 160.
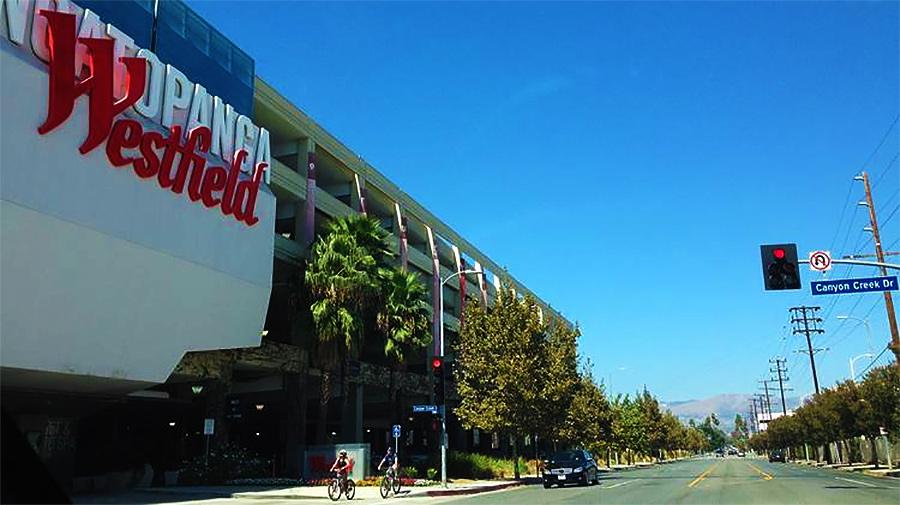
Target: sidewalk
pixel 866 469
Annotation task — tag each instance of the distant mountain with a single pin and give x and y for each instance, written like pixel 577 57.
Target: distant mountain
pixel 725 407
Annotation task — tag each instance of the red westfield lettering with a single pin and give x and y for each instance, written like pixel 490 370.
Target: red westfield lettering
pixel 150 154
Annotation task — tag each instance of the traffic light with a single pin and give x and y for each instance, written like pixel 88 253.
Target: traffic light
pixel 780 267
pixel 437 372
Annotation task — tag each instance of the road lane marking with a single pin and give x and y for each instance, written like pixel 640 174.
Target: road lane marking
pixel 856 482
pixel 757 470
pixel 619 484
pixel 702 476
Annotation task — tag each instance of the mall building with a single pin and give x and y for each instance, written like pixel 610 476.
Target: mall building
pixel 153 239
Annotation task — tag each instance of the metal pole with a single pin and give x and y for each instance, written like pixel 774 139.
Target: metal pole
pixel 443 409
pixel 853 360
pixel 444 438
pixel 879 264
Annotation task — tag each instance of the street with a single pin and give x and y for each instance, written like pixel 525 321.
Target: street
pixel 728 481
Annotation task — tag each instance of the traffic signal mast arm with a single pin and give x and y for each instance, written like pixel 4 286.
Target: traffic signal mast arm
pixel 860 262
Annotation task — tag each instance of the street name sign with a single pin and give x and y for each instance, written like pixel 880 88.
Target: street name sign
pixel 820 261
pixel 843 286
pixel 425 408
pixel 396 431
pixel 209 426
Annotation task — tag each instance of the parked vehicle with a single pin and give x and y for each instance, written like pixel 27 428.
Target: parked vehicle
pixel 570 467
pixel 776 455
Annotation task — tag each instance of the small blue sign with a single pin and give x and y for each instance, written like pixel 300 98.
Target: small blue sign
pixel 425 408
pixel 842 286
pixel 396 431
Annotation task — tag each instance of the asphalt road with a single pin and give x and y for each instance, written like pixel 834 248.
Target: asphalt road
pixel 728 481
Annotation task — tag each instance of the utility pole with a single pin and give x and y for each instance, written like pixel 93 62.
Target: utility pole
pixel 805 316
pixel 753 412
pixel 780 369
pixel 761 409
pixel 765 384
pixel 888 300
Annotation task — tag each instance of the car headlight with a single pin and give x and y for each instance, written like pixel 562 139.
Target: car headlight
pixel 579 469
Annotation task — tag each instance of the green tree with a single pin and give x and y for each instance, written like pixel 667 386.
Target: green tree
pixel 741 433
pixel 587 422
pixel 561 382
pixel 501 367
pixel 342 276
pixel 403 318
pixel 880 405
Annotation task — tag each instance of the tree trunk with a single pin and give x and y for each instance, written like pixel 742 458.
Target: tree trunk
pixel 874 445
pixel 515 449
pixel 324 398
pixel 392 395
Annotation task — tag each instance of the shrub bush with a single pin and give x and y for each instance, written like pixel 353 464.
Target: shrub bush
pixel 431 473
pixel 225 464
pixel 409 471
pixel 479 466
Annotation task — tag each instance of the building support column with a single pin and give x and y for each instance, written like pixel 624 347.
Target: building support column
pixel 295 406
pixel 358 196
pixel 309 228
pixel 404 239
pixel 435 292
pixel 482 284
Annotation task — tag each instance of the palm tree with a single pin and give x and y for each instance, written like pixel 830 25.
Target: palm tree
pixel 403 318
pixel 342 275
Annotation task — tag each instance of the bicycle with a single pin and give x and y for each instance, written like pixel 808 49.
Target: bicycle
pixel 339 486
pixel 390 482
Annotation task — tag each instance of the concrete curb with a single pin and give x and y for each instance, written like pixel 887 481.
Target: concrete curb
pixel 464 491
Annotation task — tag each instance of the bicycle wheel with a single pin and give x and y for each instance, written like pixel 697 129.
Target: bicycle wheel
pixel 385 486
pixel 351 489
pixel 396 484
pixel 334 490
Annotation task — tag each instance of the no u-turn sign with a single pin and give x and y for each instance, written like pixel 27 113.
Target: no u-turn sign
pixel 820 261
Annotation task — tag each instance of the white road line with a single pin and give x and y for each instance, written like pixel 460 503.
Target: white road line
pixel 619 484
pixel 856 482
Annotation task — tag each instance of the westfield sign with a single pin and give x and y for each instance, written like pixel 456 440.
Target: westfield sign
pixel 88 66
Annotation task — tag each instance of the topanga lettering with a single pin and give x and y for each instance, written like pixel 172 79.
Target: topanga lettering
pixel 238 198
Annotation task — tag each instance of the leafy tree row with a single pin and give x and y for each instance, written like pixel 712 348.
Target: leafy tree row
pixel 847 410
pixel 518 373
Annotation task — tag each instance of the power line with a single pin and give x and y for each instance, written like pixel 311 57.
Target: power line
pixel 886 170
pixel 873 361
pixel 883 140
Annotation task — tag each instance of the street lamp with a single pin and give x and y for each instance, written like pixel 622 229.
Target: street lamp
pixel 868 328
pixel 853 360
pixel 444 441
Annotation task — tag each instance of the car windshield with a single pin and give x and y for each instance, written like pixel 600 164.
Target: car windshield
pixel 567 456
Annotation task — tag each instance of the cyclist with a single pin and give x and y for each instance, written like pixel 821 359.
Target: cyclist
pixel 342 467
pixel 390 462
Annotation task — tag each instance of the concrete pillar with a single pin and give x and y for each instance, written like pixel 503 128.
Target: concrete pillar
pixel 435 291
pixel 358 195
pixel 309 224
pixel 404 242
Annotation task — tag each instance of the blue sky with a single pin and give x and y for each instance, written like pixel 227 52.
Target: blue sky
pixel 624 160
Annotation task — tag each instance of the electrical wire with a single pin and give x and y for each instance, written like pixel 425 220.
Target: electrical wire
pixel 866 369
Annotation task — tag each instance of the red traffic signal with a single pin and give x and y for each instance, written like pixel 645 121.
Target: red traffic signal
pixel 437 363
pixel 780 267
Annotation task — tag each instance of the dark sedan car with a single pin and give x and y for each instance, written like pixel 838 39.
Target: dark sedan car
pixel 570 467
pixel 776 455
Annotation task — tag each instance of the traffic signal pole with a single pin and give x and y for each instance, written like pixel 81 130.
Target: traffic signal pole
pixel 879 254
pixel 443 406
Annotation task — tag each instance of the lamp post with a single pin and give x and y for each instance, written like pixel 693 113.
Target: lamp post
pixel 853 360
pixel 444 441
pixel 868 328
